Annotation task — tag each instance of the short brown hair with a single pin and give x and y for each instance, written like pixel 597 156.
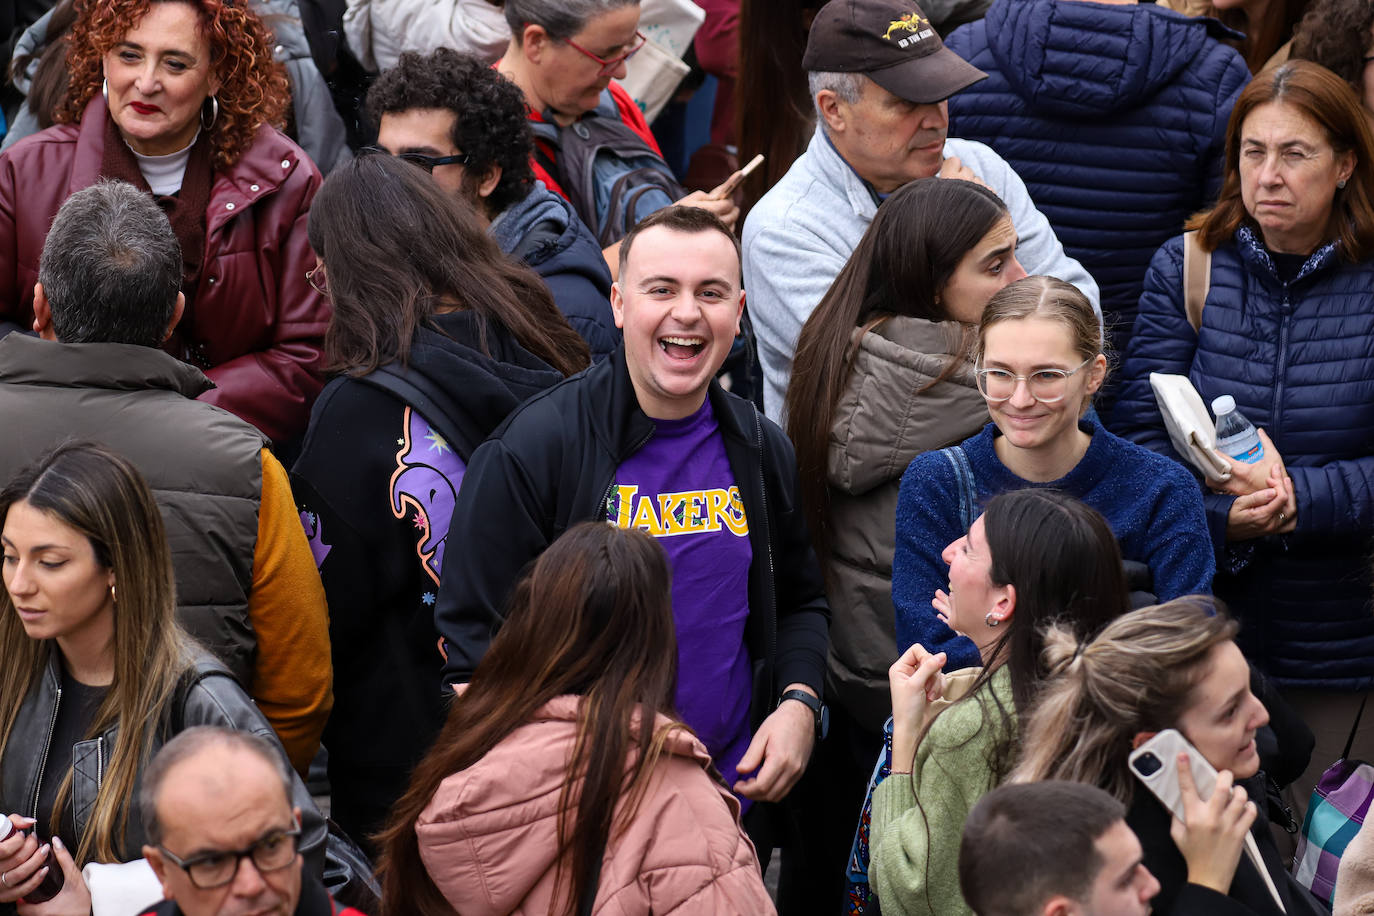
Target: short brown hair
pixel 1326 99
pixel 679 218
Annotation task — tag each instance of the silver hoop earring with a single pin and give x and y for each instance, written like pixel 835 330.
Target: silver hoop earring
pixel 114 599
pixel 214 113
pixel 991 621
pixel 105 89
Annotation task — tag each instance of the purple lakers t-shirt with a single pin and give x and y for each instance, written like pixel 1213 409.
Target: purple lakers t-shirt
pixel 680 489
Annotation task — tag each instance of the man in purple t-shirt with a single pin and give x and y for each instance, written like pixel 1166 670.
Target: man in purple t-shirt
pixel 648 439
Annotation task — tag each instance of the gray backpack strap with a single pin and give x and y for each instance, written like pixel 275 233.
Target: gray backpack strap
pixel 968 486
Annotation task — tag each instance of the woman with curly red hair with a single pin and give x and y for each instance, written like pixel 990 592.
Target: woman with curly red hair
pixel 182 98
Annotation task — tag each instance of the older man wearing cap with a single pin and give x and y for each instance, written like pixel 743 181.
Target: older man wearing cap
pixel 879 77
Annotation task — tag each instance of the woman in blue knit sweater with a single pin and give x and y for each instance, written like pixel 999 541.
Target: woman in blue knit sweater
pixel 1040 360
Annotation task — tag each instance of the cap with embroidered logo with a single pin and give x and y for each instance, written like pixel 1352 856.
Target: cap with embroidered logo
pixel 892 43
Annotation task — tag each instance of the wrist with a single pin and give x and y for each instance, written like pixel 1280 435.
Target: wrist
pixel 802 695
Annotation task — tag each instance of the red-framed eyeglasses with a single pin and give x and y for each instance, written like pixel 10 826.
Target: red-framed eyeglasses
pixel 609 65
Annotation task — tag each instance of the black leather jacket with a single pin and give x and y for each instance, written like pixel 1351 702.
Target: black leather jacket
pixel 208 695
pixel 551 465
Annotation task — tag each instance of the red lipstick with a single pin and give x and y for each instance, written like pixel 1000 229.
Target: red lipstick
pixel 143 108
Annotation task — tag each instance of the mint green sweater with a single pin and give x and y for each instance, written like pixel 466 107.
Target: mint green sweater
pixel 915 835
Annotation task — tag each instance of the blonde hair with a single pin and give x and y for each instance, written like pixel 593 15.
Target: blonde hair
pixel 102 496
pixel 1053 300
pixel 1136 676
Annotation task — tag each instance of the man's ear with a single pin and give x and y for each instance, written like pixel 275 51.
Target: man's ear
pixel 490 179
pixel 42 314
pixel 739 314
pixel 1140 738
pixel 1059 905
pixel 834 110
pixel 617 305
pixel 159 867
pixel 177 311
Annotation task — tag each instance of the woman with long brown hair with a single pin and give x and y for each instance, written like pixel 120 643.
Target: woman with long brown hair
pixel 436 337
pixel 549 756
pixel 97 674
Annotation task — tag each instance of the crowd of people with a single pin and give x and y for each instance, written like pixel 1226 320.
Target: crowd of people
pixel 419 494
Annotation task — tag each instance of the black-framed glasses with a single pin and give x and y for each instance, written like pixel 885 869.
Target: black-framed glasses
pixel 209 870
pixel 609 64
pixel 318 279
pixel 428 163
pixel 1048 386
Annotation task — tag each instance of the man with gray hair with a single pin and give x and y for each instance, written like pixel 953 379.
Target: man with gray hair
pixel 247 587
pixel 879 77
pixel 222 834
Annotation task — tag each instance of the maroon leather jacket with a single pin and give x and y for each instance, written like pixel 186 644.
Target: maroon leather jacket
pixel 256 324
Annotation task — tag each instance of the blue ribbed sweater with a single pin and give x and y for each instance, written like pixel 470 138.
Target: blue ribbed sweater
pixel 1151 503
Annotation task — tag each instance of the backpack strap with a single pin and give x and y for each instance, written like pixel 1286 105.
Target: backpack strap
pixel 393 380
pixel 963 477
pixel 1197 278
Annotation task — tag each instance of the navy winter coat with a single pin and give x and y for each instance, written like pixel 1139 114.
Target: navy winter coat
pixel 1299 359
pixel 1114 116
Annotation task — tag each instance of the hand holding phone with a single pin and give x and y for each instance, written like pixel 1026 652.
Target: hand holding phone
pixel 1212 815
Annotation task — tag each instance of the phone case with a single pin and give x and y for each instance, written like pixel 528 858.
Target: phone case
pixel 1162 782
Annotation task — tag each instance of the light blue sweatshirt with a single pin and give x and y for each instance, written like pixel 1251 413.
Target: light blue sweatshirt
pixel 799 236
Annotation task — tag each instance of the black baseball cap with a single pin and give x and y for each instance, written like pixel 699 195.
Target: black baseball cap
pixel 892 43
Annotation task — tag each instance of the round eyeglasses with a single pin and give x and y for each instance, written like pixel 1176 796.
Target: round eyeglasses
pixel 1047 386
pixel 209 870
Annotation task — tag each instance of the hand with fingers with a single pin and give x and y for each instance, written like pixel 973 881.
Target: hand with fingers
pixel 1266 502
pixel 725 208
pixel 953 168
pixel 75 897
pixel 915 681
pixel 1212 834
pixel 778 754
pixel 23 861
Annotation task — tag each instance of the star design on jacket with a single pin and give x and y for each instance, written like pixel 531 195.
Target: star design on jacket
pixel 437 443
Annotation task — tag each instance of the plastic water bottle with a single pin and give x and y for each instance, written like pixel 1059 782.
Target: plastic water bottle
pixel 1236 436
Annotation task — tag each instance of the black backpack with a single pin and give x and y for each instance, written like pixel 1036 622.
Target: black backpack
pixel 601 131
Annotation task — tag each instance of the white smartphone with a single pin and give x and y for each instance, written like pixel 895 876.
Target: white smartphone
pixel 1155 764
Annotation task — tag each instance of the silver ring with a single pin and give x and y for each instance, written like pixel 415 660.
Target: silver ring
pixel 4 878
pixel 1282 518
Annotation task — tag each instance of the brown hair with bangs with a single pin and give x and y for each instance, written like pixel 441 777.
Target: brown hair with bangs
pixel 1326 99
pixel 253 88
pixel 593 618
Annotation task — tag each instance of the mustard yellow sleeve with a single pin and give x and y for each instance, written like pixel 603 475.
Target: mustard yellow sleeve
pixel 293 679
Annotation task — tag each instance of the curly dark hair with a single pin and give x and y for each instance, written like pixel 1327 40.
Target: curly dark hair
pixel 253 88
pixel 1335 34
pixel 490 122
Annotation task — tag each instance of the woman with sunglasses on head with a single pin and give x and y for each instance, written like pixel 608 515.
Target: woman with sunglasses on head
pixel 97 673
pixel 436 336
pixel 564 54
pixel 1039 361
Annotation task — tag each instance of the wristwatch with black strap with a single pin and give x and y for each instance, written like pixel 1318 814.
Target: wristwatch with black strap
pixel 818 709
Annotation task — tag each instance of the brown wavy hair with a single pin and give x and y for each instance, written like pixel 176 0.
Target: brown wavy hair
pixel 1335 34
pixel 253 88
pixel 1325 98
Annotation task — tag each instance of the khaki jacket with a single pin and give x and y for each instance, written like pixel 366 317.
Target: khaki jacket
pixel 881 423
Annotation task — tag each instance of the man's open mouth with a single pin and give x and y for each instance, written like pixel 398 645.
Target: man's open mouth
pixel 681 347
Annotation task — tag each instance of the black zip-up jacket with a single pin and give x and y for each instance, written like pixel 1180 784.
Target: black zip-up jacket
pixel 551 465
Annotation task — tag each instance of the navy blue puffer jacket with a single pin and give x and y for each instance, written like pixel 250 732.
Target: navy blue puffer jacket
pixel 1114 116
pixel 1299 359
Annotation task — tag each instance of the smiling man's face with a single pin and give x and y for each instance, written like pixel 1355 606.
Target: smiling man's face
pixel 678 302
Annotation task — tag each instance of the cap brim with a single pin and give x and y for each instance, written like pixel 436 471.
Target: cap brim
pixel 928 79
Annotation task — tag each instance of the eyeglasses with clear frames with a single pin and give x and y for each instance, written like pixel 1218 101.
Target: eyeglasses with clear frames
pixel 210 870
pixel 1048 386
pixel 609 64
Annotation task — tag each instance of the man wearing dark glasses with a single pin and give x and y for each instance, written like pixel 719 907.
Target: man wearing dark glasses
pixel 222 835
pixel 460 120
